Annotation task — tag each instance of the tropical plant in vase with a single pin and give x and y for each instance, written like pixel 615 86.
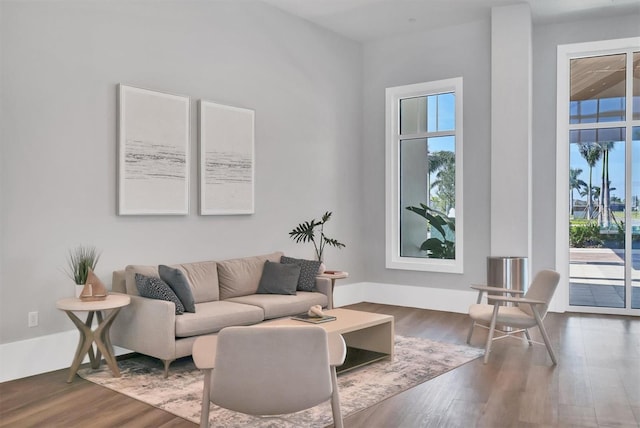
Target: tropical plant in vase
pixel 306 232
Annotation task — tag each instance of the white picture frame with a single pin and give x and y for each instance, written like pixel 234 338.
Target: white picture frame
pixel 153 152
pixel 227 170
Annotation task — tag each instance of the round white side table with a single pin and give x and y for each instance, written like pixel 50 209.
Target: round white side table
pixel 100 335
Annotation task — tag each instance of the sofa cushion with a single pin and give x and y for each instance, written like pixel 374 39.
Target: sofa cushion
pixel 130 276
pixel 211 317
pixel 203 279
pixel 156 288
pixel 277 305
pixel 240 277
pixel 278 278
pixel 179 284
pixel 308 272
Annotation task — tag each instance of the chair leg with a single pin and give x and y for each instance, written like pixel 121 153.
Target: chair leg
pixel 492 328
pixel 206 400
pixel 528 336
pixel 545 337
pixel 473 324
pixel 335 400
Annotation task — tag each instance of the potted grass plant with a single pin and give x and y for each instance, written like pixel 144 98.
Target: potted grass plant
pixel 81 260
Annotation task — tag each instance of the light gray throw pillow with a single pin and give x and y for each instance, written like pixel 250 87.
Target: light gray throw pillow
pixel 278 278
pixel 180 285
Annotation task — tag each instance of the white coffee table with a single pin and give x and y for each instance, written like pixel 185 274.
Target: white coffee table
pixel 369 336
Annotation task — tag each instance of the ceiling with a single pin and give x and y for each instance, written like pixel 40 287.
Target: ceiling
pixel 366 20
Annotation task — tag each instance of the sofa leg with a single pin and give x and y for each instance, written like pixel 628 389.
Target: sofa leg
pixel 166 367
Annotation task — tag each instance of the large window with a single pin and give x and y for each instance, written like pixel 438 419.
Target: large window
pixel 424 176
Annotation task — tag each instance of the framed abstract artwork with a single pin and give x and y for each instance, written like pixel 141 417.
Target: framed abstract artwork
pixel 226 140
pixel 153 152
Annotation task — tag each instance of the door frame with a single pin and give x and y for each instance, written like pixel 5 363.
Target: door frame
pixel 564 54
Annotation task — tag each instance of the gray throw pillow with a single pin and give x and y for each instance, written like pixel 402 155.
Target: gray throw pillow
pixel 278 278
pixel 155 288
pixel 308 272
pixel 180 285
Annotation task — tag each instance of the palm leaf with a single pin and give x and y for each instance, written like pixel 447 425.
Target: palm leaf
pixel 333 242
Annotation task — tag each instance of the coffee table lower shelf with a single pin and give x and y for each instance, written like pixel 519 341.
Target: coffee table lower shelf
pixel 357 357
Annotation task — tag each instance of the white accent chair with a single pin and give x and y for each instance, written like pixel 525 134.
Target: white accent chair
pixel 526 312
pixel 262 370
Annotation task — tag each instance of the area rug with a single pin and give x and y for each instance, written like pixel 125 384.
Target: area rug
pixel 416 361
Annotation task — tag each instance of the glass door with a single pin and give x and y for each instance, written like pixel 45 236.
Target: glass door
pixel 604 183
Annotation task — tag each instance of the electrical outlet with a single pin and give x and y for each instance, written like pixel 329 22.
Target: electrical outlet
pixel 33 319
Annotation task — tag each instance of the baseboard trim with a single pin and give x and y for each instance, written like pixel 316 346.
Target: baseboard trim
pixel 40 355
pixel 53 352
pixel 438 299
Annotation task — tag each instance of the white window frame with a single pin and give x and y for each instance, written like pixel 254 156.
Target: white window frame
pixel 564 54
pixel 393 96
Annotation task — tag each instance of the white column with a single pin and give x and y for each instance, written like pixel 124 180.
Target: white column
pixel 511 77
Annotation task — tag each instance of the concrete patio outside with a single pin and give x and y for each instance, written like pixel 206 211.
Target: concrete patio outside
pixel 597 278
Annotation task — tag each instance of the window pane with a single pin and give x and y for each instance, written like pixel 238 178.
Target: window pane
pixel 413 115
pixel 636 85
pixel 427 178
pixel 598 89
pixel 446 112
pixel 413 192
pixel 432 109
pixel 597 211
pixel 441 112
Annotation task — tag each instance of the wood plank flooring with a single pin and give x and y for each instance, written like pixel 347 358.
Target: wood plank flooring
pixel 595 384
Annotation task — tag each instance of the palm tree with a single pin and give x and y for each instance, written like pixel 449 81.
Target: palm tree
pixel 604 215
pixel 575 183
pixel 445 182
pixel 591 152
pixel 443 163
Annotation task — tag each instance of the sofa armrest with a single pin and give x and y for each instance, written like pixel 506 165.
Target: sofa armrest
pixel 147 326
pixel 323 285
pixel 118 283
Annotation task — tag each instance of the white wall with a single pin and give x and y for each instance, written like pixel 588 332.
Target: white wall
pixel 463 50
pixel 61 62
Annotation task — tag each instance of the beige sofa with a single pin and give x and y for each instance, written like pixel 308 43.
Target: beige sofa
pixel 225 295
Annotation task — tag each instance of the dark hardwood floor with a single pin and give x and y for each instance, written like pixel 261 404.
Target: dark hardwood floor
pixel 595 384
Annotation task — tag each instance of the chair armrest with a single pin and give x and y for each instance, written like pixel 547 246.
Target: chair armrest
pixel 496 289
pixel 516 300
pixel 147 326
pixel 337 349
pixel 204 352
